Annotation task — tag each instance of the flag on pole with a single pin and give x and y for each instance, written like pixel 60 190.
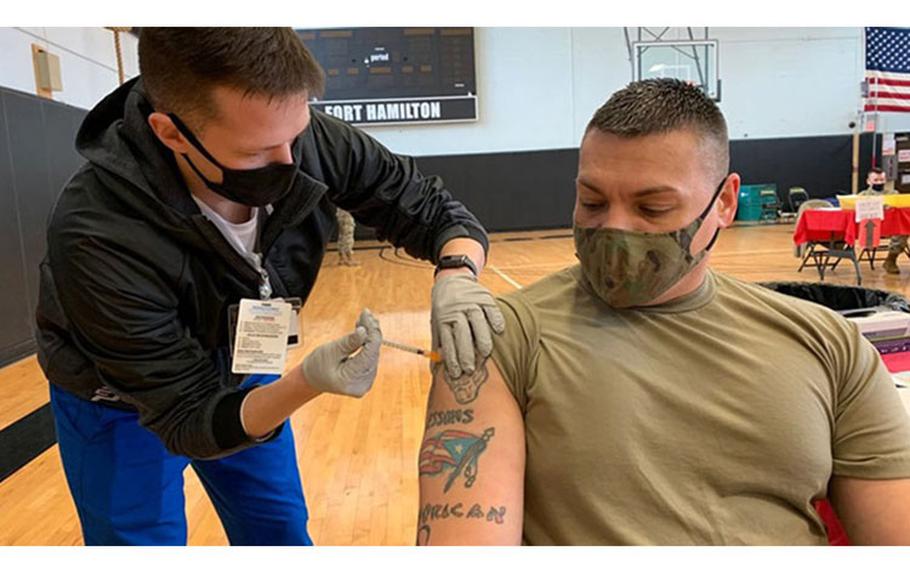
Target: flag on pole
pixel 888 69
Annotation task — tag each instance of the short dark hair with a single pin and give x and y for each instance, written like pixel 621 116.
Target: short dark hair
pixel 658 106
pixel 875 171
pixel 181 66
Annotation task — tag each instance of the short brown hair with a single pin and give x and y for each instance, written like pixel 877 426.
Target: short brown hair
pixel 181 66
pixel 658 106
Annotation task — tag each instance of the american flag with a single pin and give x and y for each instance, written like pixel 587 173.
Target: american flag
pixel 888 69
pixel 453 450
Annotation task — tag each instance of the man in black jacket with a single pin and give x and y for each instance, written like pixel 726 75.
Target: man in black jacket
pixel 209 181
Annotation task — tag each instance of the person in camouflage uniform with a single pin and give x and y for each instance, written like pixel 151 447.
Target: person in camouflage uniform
pixel 875 187
pixel 345 238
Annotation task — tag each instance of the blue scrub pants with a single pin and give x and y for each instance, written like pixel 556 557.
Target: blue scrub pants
pixel 128 488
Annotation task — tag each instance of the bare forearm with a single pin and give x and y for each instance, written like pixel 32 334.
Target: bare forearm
pixel 268 406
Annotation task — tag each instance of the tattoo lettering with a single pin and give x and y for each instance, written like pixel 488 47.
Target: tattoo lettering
pixel 444 511
pixel 466 387
pixel 497 515
pixel 423 535
pixel 454 451
pixel 448 417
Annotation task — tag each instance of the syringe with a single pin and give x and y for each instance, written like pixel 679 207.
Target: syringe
pixel 431 355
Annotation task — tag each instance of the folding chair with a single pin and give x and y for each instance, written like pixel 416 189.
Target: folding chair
pixel 770 205
pixel 796 196
pixel 817 251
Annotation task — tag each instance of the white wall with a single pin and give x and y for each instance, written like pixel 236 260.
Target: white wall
pixel 88 63
pixel 539 86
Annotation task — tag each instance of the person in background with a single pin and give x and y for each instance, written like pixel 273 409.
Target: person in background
pixel 346 226
pixel 876 186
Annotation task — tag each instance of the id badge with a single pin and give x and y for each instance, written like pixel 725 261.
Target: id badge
pixel 295 334
pixel 261 337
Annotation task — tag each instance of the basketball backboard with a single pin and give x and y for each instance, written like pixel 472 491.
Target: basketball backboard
pixel 695 61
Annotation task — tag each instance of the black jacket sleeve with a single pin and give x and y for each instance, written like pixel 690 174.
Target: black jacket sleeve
pixel 123 313
pixel 386 191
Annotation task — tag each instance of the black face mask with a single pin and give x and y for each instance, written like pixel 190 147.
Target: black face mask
pixel 256 187
pixel 878 186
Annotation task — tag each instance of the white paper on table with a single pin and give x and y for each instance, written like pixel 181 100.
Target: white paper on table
pixel 870 208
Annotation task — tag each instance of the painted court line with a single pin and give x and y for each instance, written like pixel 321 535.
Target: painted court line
pixel 503 275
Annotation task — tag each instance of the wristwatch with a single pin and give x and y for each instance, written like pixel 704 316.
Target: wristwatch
pixel 456 261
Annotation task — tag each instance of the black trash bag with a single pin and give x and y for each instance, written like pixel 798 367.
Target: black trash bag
pixel 841 298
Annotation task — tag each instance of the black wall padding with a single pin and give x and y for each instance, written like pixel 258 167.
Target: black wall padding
pixel 37 156
pixel 511 191
pixel 820 164
pixel 535 190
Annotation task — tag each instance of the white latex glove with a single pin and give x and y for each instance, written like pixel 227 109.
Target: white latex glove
pixel 331 368
pixel 464 313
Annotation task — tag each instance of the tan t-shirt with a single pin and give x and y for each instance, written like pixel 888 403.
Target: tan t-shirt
pixel 717 418
pixel 871 192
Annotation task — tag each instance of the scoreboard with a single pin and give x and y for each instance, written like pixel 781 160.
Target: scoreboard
pixel 396 75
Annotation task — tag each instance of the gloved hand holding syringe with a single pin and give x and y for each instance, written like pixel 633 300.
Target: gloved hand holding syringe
pixel 353 346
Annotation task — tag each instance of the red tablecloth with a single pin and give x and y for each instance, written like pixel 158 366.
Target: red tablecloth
pixel 840 224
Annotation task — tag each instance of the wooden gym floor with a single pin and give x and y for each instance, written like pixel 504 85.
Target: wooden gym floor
pixel 358 458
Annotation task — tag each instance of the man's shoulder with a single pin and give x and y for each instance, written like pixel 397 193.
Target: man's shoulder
pixel 79 196
pixel 554 287
pixel 527 309
pixel 779 299
pixel 87 199
pixel 324 126
pixel 92 214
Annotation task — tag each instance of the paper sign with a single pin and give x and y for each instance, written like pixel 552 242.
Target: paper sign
pixel 889 146
pixel 870 208
pixel 903 156
pixel 261 339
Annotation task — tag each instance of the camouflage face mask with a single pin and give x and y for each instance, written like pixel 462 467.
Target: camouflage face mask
pixel 631 268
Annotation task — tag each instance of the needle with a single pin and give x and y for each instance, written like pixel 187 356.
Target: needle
pixel 431 355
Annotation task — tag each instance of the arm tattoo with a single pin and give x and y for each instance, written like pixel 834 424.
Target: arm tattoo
pixel 466 387
pixel 423 535
pixel 436 512
pixel 449 417
pixel 455 452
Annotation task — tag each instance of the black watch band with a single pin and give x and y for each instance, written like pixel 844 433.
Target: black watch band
pixel 456 261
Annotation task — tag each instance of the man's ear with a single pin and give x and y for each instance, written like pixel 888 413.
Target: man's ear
pixel 727 201
pixel 163 127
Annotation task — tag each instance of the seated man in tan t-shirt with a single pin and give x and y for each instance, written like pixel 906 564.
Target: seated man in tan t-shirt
pixel 640 398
